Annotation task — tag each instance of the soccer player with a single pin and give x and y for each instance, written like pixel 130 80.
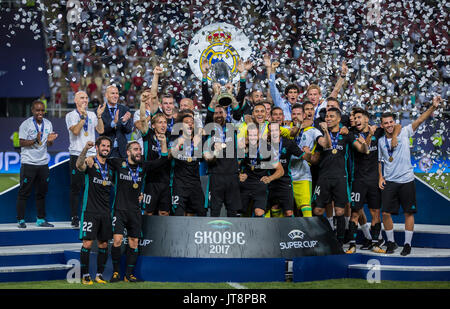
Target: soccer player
pixel 396 176
pixel 187 193
pixel 82 125
pixel 156 199
pixel 127 215
pixel 223 167
pixel 254 171
pixel 306 137
pixel 35 135
pixel 332 183
pixel 365 182
pixel 96 214
pixel 280 190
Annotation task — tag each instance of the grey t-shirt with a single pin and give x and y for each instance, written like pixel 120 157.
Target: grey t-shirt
pixel 34 154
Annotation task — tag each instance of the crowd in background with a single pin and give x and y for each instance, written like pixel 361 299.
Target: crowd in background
pixel 398 64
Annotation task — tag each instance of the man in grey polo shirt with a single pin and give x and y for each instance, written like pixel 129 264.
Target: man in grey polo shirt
pixel 35 134
pixel 396 176
pixel 82 125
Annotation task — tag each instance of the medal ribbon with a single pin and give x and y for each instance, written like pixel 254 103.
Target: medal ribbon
pixel 85 125
pixel 37 128
pixel 389 149
pixel 135 174
pixel 104 172
pixel 334 140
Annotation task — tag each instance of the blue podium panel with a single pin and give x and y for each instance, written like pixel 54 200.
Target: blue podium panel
pixel 210 269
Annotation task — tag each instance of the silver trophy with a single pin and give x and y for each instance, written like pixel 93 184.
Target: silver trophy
pixel 221 75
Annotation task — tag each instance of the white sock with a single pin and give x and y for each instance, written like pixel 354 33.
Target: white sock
pixel 330 220
pixel 347 220
pixel 390 235
pixel 366 230
pixel 408 237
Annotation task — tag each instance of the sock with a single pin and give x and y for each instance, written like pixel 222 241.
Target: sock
pixel 347 220
pixel 366 230
pixel 306 211
pixel 390 235
pixel 276 213
pixel 115 256
pixel 84 261
pixel 375 231
pixel 353 231
pixel 330 220
pixel 102 257
pixel 408 237
pixel 340 228
pixel 132 255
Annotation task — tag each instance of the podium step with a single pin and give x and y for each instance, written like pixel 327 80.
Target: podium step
pixel 35 254
pixel 33 272
pixel 11 235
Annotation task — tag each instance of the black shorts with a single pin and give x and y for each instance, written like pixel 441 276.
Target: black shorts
pixel 188 200
pixel 156 197
pixel 330 190
pixel 95 227
pixel 281 194
pixel 224 189
pixel 365 192
pixel 127 222
pixel 258 193
pixel 395 194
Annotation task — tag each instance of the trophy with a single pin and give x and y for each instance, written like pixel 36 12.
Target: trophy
pixel 221 75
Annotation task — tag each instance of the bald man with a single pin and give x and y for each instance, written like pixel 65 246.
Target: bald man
pixel 186 103
pixel 82 125
pixel 118 122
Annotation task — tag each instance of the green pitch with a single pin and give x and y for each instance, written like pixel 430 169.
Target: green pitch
pixel 8 180
pixel 439 182
pixel 326 284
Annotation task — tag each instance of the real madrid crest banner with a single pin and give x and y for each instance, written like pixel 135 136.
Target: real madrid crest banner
pixel 219 42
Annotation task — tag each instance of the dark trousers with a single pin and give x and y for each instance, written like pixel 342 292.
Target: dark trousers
pixel 32 175
pixel 76 186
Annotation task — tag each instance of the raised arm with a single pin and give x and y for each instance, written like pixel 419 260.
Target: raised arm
pixel 341 80
pixel 100 128
pixel 154 90
pixel 81 161
pixel 436 101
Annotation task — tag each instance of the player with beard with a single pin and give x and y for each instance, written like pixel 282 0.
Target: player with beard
pixel 187 194
pixel 280 190
pixel 156 198
pixel 223 167
pixel 254 171
pixel 396 176
pixel 127 215
pixel 96 214
pixel 306 137
pixel 365 182
pixel 332 185
pixel 258 118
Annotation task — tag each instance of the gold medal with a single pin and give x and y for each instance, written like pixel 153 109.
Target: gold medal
pixel 253 168
pixel 104 182
pixel 40 143
pixel 189 159
pixel 334 151
pixel 86 133
pixel 391 159
pixel 135 186
pixel 368 152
